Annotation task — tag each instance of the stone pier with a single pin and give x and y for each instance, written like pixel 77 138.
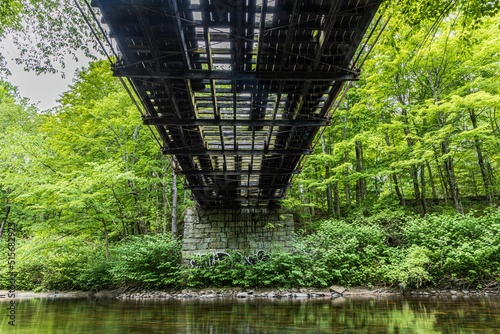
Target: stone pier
pixel 244 230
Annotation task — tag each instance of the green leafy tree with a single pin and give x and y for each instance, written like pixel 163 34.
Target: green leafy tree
pixel 9 14
pixel 419 128
pixel 18 157
pixel 48 33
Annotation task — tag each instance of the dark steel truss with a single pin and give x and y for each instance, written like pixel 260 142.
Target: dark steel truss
pixel 237 89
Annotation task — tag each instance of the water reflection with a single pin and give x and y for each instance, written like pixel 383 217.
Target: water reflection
pixel 341 315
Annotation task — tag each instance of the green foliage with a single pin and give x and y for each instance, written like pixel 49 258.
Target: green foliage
pixel 86 173
pixel 404 252
pixel 288 269
pixel 53 263
pixel 48 33
pixel 436 10
pixel 461 247
pixel 89 167
pixel 282 269
pixel 148 261
pixel 94 274
pixel 208 270
pixel 411 269
pixel 9 14
pixel 425 113
pixel 68 262
pixel 425 107
pixel 348 252
pixel 338 253
pixel 431 251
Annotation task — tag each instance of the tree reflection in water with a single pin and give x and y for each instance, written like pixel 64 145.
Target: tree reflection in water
pixel 341 315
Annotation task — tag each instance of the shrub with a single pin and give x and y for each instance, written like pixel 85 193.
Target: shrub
pixel 50 262
pixel 286 269
pixel 411 271
pixel 212 270
pixel 95 275
pixel 147 261
pixel 460 250
pixel 462 247
pixel 280 269
pixel 338 252
pixel 349 252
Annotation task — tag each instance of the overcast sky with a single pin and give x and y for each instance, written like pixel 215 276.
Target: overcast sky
pixel 43 90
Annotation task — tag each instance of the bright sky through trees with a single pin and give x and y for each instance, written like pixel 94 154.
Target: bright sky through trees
pixel 42 90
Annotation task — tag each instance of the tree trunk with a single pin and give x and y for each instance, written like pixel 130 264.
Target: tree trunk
pixel 434 80
pixel 4 220
pixel 166 203
pixel 347 189
pixel 422 193
pixel 431 180
pixel 106 238
pixel 492 180
pixel 329 191
pixel 7 212
pixel 444 184
pixel 336 199
pixel 141 222
pixel 414 167
pixel 329 199
pixel 360 182
pixel 480 158
pixel 399 193
pixel 493 121
pixel 416 188
pixel 130 160
pixel 174 203
pixel 346 183
pixel 449 167
pixel 452 181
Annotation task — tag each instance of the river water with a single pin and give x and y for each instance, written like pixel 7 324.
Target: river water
pixel 394 314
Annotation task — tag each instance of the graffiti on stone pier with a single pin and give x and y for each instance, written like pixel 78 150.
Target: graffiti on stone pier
pixel 212 259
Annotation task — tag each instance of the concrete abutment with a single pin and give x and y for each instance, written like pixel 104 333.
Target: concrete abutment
pixel 244 230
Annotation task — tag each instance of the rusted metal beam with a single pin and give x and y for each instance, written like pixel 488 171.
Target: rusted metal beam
pixel 203 151
pixel 144 73
pixel 235 122
pixel 238 172
pixel 240 187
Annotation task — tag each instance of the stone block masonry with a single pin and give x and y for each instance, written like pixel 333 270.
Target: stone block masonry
pixel 244 230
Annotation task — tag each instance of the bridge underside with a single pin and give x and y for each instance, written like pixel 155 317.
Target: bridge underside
pixel 237 89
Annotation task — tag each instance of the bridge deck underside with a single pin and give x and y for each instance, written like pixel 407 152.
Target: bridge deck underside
pixel 237 89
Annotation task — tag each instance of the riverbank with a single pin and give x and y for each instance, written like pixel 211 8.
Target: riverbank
pixel 299 293
pixel 460 252
pixel 241 293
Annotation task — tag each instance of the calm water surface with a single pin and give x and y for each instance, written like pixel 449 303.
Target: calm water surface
pixel 342 315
